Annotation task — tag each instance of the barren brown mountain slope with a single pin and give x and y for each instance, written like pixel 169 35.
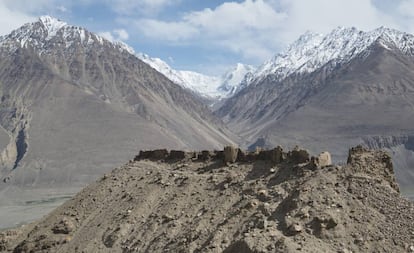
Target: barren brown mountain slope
pixel 69 96
pixel 364 98
pixel 74 105
pixel 264 202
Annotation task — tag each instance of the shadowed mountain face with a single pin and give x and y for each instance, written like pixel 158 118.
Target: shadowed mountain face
pixel 368 99
pixel 74 105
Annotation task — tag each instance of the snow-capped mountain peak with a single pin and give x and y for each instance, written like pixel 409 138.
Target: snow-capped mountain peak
pixel 210 87
pixel 163 68
pixel 48 32
pixel 52 25
pixel 202 84
pixel 233 78
pixel 312 51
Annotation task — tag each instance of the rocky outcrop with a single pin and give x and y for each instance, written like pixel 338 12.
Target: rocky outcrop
pixel 322 160
pixel 374 164
pixel 65 226
pixel 15 120
pixel 9 154
pixel 197 203
pixel 325 159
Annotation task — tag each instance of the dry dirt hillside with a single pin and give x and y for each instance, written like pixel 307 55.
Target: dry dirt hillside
pixel 231 201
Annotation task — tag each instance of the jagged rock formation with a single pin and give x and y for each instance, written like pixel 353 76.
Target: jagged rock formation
pixel 176 201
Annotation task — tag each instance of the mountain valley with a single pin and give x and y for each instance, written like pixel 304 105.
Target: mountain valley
pixel 74 105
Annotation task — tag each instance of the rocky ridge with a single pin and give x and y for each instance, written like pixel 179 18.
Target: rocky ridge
pixel 231 201
pixel 312 51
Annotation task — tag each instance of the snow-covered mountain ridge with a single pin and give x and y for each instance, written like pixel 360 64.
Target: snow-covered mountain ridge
pixel 48 32
pixel 312 51
pixel 212 87
pixel 199 83
pixel 232 80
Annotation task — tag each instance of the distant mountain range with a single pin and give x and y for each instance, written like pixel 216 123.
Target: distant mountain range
pixel 211 87
pixel 312 50
pixel 74 104
pixel 329 92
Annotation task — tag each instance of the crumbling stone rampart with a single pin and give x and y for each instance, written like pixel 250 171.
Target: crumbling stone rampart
pixel 229 154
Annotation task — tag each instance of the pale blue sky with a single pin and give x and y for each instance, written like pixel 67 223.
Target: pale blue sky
pixel 209 36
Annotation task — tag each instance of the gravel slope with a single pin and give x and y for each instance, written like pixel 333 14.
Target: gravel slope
pixel 193 205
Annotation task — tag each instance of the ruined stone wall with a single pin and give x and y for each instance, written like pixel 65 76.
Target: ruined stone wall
pixel 375 163
pixel 232 154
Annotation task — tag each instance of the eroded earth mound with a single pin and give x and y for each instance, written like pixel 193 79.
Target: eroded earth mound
pixel 231 201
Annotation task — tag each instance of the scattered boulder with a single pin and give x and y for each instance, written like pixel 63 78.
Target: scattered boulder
pixel 167 218
pixel 325 222
pixel 239 247
pixel 111 237
pixel 323 160
pixel 65 226
pixel 263 195
pixel 294 229
pixel 3 245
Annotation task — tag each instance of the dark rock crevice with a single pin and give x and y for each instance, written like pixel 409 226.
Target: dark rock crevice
pixel 21 146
